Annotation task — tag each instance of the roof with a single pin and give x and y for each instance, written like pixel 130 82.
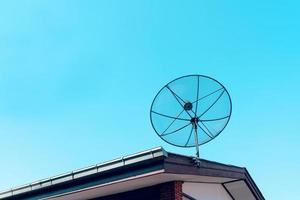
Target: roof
pixel 141 170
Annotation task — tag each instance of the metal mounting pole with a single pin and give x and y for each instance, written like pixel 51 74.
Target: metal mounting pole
pixel 196 139
pixel 196 160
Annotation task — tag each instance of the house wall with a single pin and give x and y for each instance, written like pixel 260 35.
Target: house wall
pixel 207 191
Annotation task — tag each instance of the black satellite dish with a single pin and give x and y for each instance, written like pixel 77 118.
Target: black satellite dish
pixel 190 111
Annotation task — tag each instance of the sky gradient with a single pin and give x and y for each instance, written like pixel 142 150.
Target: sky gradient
pixel 77 79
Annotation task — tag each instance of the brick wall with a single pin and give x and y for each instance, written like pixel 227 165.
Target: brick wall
pixel 165 191
pixel 171 191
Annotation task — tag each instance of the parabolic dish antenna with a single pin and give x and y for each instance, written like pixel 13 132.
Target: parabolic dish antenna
pixel 190 111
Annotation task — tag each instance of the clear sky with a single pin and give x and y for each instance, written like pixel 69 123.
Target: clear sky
pixel 77 79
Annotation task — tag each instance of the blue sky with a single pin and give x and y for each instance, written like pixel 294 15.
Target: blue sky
pixel 77 79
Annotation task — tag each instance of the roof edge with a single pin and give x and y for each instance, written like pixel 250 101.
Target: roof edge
pixel 99 168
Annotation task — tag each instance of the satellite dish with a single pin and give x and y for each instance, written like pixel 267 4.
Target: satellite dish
pixel 190 111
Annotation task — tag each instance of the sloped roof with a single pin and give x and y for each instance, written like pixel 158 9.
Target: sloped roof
pixel 135 171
